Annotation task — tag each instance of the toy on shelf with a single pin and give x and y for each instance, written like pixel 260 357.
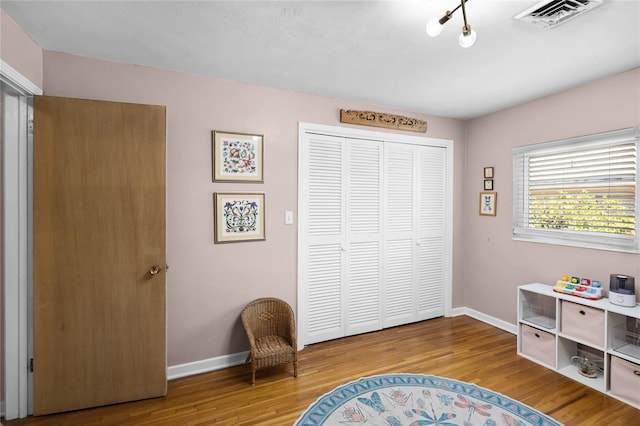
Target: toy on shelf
pixel 586 288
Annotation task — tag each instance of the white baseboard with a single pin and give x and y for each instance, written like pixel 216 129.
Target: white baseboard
pixel 456 312
pixel 503 325
pixel 206 365
pixel 218 363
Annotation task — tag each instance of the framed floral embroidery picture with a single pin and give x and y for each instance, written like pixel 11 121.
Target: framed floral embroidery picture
pixel 237 157
pixel 238 217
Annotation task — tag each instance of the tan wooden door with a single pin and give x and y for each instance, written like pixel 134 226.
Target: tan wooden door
pixel 99 228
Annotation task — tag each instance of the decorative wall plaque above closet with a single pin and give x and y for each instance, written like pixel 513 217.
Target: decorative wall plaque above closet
pixel 380 119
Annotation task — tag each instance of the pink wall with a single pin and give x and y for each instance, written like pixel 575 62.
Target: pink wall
pixel 19 50
pixel 205 291
pixel 494 264
pixel 208 284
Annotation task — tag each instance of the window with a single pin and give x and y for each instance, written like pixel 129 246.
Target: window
pixel 579 192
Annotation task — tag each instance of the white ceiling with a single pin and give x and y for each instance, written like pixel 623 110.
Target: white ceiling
pixel 369 51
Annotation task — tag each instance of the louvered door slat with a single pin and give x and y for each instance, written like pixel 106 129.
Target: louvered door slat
pixel 325 186
pixel 364 192
pixel 363 289
pixel 432 189
pixel 324 286
pixel 399 207
pixel 430 278
pixel 398 300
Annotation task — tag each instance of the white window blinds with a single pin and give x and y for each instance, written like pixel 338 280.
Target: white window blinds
pixel 579 191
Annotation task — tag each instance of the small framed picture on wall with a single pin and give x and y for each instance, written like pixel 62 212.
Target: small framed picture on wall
pixel 237 157
pixel 488 203
pixel 488 184
pixel 238 217
pixel 488 172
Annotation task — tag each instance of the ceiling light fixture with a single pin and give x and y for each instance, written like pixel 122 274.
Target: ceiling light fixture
pixel 468 36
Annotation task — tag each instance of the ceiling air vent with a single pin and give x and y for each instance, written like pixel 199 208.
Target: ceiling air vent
pixel 548 14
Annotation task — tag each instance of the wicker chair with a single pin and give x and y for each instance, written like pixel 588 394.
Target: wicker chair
pixel 270 326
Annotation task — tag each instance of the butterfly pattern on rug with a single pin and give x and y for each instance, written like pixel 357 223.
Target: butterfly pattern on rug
pixel 415 400
pixel 423 412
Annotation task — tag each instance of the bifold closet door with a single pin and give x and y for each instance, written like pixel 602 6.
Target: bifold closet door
pixel 415 229
pixel 342 243
pixel 373 234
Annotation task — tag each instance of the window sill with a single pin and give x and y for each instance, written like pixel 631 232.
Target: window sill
pixel 575 243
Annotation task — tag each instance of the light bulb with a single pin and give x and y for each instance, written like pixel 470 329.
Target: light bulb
pixel 467 40
pixel 434 27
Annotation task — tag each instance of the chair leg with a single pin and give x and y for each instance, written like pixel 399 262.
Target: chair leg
pixel 253 377
pixel 295 368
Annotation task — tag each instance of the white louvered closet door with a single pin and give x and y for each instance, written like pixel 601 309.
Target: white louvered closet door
pixel 415 230
pixel 363 236
pixel 374 234
pixel 431 245
pixel 399 227
pixel 323 255
pixel 342 262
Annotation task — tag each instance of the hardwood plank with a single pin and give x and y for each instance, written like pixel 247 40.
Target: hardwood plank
pixel 460 348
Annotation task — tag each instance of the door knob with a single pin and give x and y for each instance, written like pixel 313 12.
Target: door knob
pixel 155 269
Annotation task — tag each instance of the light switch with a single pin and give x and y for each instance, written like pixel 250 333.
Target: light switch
pixel 288 218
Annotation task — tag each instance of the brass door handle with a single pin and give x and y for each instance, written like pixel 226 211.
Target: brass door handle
pixel 155 269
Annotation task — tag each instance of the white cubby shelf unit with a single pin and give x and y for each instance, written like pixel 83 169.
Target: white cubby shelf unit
pixel 554 327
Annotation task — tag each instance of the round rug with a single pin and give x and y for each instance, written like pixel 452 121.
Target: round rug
pixel 417 399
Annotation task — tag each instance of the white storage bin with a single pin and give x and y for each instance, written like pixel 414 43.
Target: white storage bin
pixel 583 323
pixel 625 379
pixel 539 345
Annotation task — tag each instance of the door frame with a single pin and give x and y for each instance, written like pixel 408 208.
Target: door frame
pixel 17 232
pixel 355 133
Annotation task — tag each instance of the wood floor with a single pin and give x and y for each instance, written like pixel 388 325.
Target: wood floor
pixel 460 348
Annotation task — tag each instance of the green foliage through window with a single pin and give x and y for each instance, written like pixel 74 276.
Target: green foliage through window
pixel 580 212
pixel 580 191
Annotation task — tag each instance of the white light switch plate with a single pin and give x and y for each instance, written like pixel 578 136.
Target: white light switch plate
pixel 288 218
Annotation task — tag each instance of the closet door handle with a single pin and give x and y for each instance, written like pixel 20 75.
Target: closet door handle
pixel 582 312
